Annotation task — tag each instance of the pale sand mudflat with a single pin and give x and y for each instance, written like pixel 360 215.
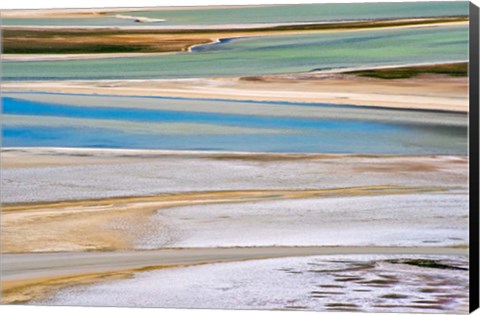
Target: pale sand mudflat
pixel 92 226
pixel 37 276
pixel 51 57
pixel 122 223
pixel 377 283
pixel 432 92
pixel 100 199
pixel 96 12
pixel 78 174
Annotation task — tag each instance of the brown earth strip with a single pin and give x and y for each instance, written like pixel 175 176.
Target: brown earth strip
pixel 107 40
pixel 452 69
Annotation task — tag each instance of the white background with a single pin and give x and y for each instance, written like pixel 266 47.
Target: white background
pixel 57 310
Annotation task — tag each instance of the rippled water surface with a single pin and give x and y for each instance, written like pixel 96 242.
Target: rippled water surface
pixel 360 130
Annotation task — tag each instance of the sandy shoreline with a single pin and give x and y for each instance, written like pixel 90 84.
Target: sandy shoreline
pixel 345 283
pixel 102 212
pixel 104 232
pixel 431 92
pixel 263 28
pixel 38 276
pixel 52 57
pixel 95 12
pixel 87 225
pixel 24 266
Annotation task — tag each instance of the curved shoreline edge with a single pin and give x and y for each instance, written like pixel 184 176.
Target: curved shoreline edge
pixel 40 282
pixel 214 35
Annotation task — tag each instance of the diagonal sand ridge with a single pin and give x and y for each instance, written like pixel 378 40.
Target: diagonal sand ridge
pixel 86 224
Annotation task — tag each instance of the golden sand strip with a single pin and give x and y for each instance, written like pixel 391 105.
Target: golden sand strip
pixel 23 291
pixel 113 224
pixel 220 196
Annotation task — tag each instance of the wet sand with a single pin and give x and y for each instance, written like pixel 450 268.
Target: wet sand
pixel 91 209
pixel 93 237
pixel 352 283
pixel 432 92
pixel 87 225
pixel 37 276
pixel 25 266
pixel 80 174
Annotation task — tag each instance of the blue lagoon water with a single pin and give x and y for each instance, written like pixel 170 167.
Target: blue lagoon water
pixel 31 123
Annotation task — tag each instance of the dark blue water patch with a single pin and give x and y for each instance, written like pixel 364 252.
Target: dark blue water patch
pixel 56 137
pixel 20 107
pixel 211 46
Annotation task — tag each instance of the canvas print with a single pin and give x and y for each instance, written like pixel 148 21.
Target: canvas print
pixel 283 157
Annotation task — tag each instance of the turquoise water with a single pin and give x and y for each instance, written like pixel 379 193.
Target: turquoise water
pixel 30 123
pixel 308 13
pixel 271 14
pixel 266 55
